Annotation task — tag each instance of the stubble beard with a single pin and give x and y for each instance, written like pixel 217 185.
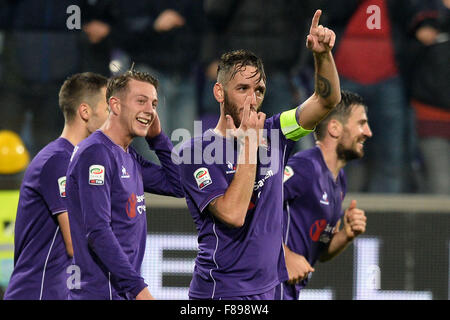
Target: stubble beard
pixel 231 109
pixel 348 154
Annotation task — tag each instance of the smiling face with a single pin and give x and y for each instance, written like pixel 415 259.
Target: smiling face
pixel 246 82
pixel 355 132
pixel 138 108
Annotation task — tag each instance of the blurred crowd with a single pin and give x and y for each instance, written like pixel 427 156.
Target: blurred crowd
pixel 394 53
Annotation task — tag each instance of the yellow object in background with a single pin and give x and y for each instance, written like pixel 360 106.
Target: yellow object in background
pixel 9 200
pixel 14 157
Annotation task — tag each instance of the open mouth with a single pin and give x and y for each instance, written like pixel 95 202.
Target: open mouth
pixel 144 121
pixel 361 142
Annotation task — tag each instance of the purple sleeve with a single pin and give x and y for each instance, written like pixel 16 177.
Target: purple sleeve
pixel 301 173
pixel 95 198
pixel 52 182
pixel 163 179
pixel 203 182
pixel 343 180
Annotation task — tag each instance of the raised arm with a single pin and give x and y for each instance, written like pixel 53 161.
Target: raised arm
pixel 327 93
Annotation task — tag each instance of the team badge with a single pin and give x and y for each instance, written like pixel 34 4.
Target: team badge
pixel 202 177
pixel 96 175
pixel 62 186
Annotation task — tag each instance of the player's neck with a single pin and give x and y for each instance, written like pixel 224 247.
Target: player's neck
pixel 221 127
pixel 74 133
pixel 116 134
pixel 331 158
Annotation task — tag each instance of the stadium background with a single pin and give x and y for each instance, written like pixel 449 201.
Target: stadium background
pixel 404 254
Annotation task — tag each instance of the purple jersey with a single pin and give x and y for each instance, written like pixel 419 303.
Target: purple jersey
pixel 107 213
pixel 236 262
pixel 40 258
pixel 313 206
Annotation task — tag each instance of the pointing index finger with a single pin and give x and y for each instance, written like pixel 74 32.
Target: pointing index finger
pixel 246 111
pixel 315 19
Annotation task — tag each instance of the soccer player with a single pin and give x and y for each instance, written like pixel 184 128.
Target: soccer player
pixel 236 200
pixel 106 180
pixel 42 242
pixel 314 188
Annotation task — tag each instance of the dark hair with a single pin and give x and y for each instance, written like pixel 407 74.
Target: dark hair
pixel 119 84
pixel 79 88
pixel 341 112
pixel 232 62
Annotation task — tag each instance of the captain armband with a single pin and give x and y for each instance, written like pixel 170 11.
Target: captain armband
pixel 289 126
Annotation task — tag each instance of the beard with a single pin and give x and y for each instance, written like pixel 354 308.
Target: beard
pixel 347 154
pixel 231 109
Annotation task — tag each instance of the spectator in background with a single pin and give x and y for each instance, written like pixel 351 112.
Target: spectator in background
pixel 39 52
pixel 98 19
pixel 163 38
pixel 430 93
pixel 370 59
pixel 273 30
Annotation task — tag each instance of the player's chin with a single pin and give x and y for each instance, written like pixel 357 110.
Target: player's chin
pixel 359 149
pixel 139 131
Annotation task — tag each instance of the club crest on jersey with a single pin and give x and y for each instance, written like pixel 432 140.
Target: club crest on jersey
pixel 96 175
pixel 62 186
pixel 288 173
pixel 202 178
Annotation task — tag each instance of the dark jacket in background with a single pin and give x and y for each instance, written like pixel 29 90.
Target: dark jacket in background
pixel 273 30
pixel 175 51
pixel 39 48
pixel 95 57
pixel 431 73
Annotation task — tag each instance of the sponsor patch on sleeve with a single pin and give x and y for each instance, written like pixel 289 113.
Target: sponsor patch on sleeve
pixel 202 178
pixel 96 175
pixel 288 173
pixel 62 186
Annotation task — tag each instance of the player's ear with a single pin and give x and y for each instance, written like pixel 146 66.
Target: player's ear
pixel 334 128
pixel 84 111
pixel 114 105
pixel 218 91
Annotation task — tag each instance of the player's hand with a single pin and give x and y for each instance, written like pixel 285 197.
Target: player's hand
pixel 251 126
pixel 354 221
pixel 297 266
pixel 320 39
pixel 145 295
pixel 155 127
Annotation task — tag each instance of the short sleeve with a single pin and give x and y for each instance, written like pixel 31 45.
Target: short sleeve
pixel 52 182
pixel 93 175
pixel 298 178
pixel 203 182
